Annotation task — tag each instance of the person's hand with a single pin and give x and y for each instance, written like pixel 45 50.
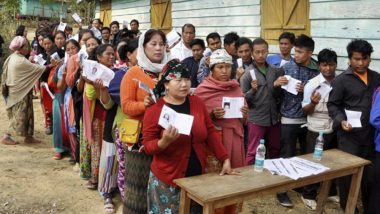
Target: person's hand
pixel 207 61
pixel 346 126
pixel 226 169
pixel 280 81
pixel 239 72
pixel 315 97
pixel 300 87
pixel 148 101
pixel 254 85
pixel 244 111
pixel 218 112
pixel 64 72
pixel 169 135
pixel 98 84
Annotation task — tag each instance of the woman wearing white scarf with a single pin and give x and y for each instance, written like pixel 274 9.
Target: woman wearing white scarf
pixel 19 77
pixel 134 98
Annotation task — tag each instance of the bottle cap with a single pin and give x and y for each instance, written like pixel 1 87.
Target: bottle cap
pixel 262 141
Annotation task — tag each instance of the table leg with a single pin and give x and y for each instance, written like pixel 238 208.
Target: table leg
pixel 324 190
pixel 184 203
pixel 208 208
pixel 354 191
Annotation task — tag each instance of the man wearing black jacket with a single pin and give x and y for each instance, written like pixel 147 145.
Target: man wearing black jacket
pixel 353 90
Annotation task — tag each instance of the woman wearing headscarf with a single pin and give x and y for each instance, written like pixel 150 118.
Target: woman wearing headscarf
pixel 211 91
pixel 177 155
pixel 18 78
pixel 135 98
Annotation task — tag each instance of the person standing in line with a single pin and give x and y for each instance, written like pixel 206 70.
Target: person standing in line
pixel 353 91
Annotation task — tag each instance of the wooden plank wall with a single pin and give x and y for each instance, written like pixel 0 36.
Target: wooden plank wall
pixel 131 9
pixel 334 23
pixel 222 16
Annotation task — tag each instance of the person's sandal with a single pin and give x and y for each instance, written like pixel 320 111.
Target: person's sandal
pixel 57 156
pixel 108 206
pixel 91 185
pixel 8 141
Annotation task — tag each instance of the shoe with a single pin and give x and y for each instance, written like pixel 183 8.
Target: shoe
pixel 49 130
pixel 76 167
pixel 284 199
pixel 334 199
pixel 57 156
pixel 310 203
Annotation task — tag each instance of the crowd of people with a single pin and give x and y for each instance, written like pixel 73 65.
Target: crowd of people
pixel 112 133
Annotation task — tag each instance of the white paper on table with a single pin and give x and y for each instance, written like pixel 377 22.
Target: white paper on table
pixel 323 89
pixel 62 26
pixel 292 84
pixel 172 37
pixel 253 74
pixel 272 167
pixel 308 166
pixel 96 32
pixel 183 122
pixel 232 107
pixel 77 18
pixel 240 62
pixel 39 59
pixel 353 118
pixel 82 54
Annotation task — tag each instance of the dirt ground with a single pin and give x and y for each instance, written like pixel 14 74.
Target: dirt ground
pixel 31 181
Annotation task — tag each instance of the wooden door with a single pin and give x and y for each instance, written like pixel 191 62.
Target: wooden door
pixel 161 15
pixel 106 12
pixel 279 16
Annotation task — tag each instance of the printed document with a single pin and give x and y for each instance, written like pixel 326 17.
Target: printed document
pixel 232 107
pixel 183 122
pixel 353 118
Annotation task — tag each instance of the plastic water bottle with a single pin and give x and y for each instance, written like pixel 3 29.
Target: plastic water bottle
pixel 260 156
pixel 318 151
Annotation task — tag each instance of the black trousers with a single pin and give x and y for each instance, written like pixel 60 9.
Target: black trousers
pixel 290 135
pixel 355 147
pixel 374 206
pixel 330 142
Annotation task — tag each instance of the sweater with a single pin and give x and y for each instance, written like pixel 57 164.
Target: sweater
pixel 131 95
pixel 171 163
pixel 263 103
pixel 374 118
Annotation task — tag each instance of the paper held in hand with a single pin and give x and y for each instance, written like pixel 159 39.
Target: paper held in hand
pixel 77 18
pixel 353 118
pixel 253 74
pixel 172 37
pixel 147 90
pixel 183 122
pixel 93 70
pixel 323 89
pixel 240 62
pixel 292 85
pixel 39 59
pixel 232 107
pixel 62 27
pixel 96 32
pixel 82 54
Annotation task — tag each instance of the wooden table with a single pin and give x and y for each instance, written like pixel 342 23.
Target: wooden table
pixel 213 191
